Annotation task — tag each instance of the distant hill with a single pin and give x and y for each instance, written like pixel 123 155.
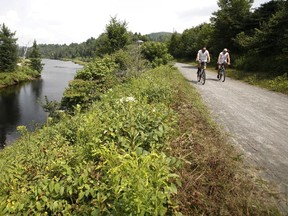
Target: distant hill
pixel 159 36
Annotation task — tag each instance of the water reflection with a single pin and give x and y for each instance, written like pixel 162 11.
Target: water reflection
pixel 20 105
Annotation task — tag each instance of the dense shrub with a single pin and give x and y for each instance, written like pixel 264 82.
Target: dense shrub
pixel 99 70
pixel 81 92
pixel 157 53
pixel 90 82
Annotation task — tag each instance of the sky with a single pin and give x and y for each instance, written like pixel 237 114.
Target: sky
pixel 75 21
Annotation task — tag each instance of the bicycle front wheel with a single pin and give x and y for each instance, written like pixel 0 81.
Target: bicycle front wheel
pixel 203 77
pixel 223 76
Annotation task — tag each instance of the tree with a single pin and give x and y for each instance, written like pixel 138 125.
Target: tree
pixel 117 34
pixel 190 41
pixel 229 21
pixel 8 50
pixel 175 45
pixel 269 40
pixel 35 58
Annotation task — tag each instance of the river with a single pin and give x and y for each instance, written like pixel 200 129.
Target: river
pixel 21 104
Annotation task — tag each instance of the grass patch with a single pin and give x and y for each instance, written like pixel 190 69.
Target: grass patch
pixel 21 74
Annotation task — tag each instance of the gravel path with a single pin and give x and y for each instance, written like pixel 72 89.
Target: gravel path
pixel 256 119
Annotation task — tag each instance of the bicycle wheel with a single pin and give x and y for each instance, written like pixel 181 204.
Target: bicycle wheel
pixel 220 75
pixel 203 77
pixel 223 76
pixel 198 76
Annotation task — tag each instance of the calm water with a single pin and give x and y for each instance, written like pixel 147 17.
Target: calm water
pixel 20 105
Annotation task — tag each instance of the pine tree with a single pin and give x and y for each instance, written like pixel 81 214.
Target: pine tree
pixel 35 58
pixel 8 50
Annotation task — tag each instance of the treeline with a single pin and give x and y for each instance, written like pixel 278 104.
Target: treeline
pixel 256 38
pixel 98 47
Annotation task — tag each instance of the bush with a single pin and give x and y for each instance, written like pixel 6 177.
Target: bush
pixel 81 92
pixel 90 82
pixel 99 70
pixel 157 53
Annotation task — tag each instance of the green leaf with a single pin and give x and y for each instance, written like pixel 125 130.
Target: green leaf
pixel 38 206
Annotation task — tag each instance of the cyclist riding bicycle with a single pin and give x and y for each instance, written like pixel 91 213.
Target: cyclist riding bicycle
pixel 223 58
pixel 203 56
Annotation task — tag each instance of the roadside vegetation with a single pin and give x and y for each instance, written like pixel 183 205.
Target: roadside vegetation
pixel 269 81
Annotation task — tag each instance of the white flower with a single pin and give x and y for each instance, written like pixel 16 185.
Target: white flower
pixel 127 99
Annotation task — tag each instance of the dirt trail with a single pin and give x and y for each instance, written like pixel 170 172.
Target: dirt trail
pixel 256 119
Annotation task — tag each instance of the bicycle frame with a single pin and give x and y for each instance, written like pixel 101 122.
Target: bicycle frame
pixel 201 75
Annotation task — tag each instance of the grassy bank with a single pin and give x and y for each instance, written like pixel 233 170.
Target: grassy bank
pixel 21 74
pixel 147 147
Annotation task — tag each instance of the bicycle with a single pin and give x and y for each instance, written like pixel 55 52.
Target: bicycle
pixel 201 74
pixel 222 73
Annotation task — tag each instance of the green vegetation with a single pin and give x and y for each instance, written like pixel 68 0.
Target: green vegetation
pixel 12 69
pixel 8 50
pixel 146 147
pixel 268 81
pixel 159 36
pixel 21 74
pixel 156 53
pixel 35 58
pixel 108 160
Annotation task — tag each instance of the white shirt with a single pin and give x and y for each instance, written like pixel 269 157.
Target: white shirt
pixel 223 58
pixel 203 57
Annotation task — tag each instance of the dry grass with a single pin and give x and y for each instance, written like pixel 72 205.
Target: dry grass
pixel 214 181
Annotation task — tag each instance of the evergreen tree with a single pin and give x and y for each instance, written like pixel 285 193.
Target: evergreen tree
pixel 8 50
pixel 35 58
pixel 117 34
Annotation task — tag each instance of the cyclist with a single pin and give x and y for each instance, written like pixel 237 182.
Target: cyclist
pixel 223 58
pixel 202 56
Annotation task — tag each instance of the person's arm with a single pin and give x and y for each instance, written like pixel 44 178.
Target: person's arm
pixel 228 59
pixel 219 58
pixel 208 57
pixel 197 58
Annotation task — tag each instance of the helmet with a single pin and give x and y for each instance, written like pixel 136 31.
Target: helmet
pixel 225 50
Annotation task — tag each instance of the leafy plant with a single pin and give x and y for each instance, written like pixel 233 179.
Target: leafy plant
pixel 156 53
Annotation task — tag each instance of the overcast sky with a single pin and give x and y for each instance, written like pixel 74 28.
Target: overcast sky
pixel 67 21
